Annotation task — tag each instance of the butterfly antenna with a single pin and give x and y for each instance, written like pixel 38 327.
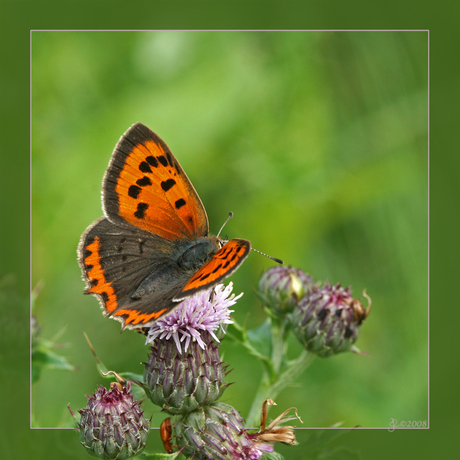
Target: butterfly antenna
pixel 225 223
pixel 270 257
pixel 262 253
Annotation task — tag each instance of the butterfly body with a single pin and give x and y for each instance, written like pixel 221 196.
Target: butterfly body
pixel 152 249
pixel 186 261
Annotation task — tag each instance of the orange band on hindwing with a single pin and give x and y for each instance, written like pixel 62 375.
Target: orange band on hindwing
pixel 96 277
pixel 133 316
pixel 223 263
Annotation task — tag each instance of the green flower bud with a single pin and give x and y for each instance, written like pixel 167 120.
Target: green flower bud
pixel 326 320
pixel 281 288
pixel 216 433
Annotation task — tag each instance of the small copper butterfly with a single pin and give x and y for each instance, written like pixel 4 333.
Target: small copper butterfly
pixel 152 249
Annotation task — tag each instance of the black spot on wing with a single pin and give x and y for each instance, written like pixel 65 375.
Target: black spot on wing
pixel 144 181
pixel 134 191
pixel 144 167
pixel 217 268
pixel 162 160
pixel 93 282
pixel 170 159
pixel 168 184
pixel 141 208
pixel 179 203
pixel 152 161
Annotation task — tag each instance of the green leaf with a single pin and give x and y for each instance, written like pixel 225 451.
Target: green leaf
pixel 236 332
pixel 132 376
pixel 261 338
pixel 47 359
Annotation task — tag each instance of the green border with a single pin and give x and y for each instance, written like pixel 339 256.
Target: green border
pixel 17 17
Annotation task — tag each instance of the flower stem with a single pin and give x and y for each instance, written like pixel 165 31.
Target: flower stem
pixel 272 384
pixel 279 330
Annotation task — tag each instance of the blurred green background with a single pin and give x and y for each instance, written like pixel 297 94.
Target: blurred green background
pixel 317 141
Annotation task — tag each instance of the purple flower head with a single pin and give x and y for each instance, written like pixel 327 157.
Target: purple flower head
pixel 204 311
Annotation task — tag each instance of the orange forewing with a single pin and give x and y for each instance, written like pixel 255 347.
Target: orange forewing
pixel 155 194
pixel 222 264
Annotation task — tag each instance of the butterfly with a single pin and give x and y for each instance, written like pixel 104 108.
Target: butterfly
pixel 151 249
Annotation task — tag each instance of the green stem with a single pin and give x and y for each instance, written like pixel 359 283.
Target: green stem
pixel 293 371
pixel 253 418
pixel 273 383
pixel 278 329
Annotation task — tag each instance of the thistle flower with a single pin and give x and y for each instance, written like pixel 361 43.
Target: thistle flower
pixel 182 382
pixel 205 311
pixel 281 288
pixel 326 320
pixel 113 426
pixel 216 432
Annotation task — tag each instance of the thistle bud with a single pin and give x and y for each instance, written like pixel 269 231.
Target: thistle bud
pixel 216 433
pixel 327 320
pixel 180 382
pixel 113 426
pixel 281 288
